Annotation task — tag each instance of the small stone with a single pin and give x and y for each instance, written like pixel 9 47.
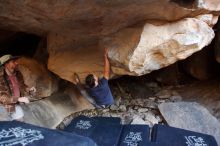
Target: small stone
pixel 151 118
pixel 152 85
pixel 133 102
pixel 159 118
pixel 160 101
pixel 122 108
pixel 152 98
pixel 106 115
pixel 139 101
pixel 130 110
pixel 61 126
pixel 118 100
pixel 138 120
pixel 142 110
pixel 151 105
pixel 164 96
pixel 105 110
pixel 127 120
pixel 113 107
pixel 126 102
pixel 136 107
pixel 141 115
pixel 114 115
pixel 175 98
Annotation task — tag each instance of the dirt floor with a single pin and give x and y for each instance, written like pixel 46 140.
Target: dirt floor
pixel 136 100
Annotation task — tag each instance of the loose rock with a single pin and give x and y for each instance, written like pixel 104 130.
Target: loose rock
pixel 191 116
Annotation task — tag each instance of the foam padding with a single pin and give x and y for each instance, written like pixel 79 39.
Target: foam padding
pixel 18 133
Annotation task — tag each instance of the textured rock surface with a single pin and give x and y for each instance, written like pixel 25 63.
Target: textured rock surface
pixel 36 74
pixel 205 93
pixel 201 65
pixel 160 46
pixel 94 17
pixel 191 116
pixel 83 59
pixel 212 5
pixel 51 111
pixel 78 31
pixel 135 50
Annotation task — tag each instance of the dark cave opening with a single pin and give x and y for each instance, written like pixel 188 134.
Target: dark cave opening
pixel 18 43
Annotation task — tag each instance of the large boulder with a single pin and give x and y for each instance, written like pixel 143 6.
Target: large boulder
pixel 65 57
pixel 51 111
pixel 77 32
pixel 190 116
pixel 158 46
pixel 36 74
pixel 136 50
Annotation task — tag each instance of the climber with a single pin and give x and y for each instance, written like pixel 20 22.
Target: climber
pixel 99 89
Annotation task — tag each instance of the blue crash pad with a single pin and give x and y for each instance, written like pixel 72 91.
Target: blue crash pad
pixel 180 137
pixel 103 134
pixel 135 135
pixel 108 120
pixel 22 134
pixel 82 125
pixel 106 134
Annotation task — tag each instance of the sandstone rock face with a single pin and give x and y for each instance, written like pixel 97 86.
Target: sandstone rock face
pixel 191 116
pixel 83 59
pixel 142 35
pixel 160 46
pixel 135 50
pixel 212 5
pixel 35 74
pixel 94 17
